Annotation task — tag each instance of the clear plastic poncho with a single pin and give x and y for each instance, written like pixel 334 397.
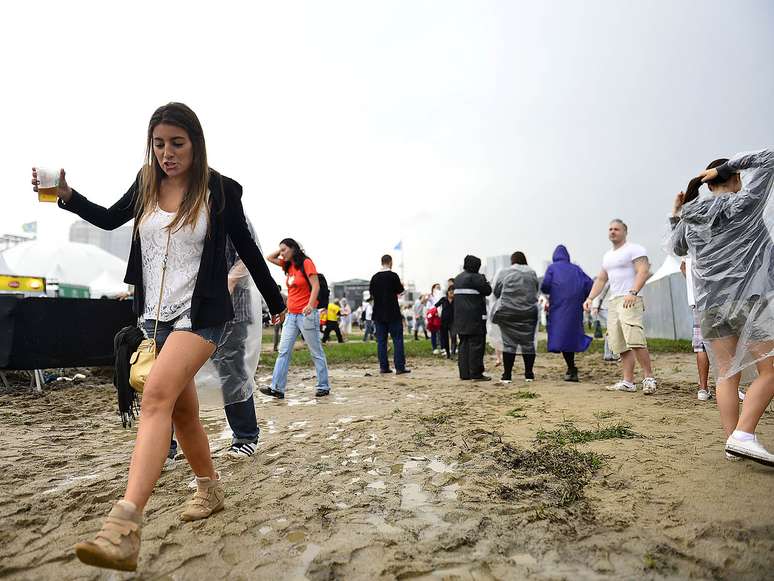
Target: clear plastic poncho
pixel 729 239
pixel 231 370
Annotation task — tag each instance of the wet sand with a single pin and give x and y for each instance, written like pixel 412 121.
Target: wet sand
pixel 413 477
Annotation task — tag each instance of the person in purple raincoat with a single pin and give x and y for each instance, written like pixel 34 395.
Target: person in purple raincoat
pixel 567 286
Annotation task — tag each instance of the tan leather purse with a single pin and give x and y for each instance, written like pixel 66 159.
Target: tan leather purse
pixel 141 361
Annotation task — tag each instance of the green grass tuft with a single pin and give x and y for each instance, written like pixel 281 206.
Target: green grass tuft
pixel 567 433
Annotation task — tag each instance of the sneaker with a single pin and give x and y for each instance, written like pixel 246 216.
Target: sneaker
pixel 622 386
pixel 740 393
pixel 169 464
pixel 703 395
pixel 733 458
pixel 272 392
pixel 322 392
pixel 385 370
pixel 751 449
pixel 242 451
pixel 117 544
pixel 402 371
pixel 648 386
pixel 529 377
pixel 436 351
pixel 207 501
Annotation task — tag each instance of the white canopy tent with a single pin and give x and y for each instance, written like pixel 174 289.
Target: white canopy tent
pixel 667 313
pixel 68 262
pixel 4 268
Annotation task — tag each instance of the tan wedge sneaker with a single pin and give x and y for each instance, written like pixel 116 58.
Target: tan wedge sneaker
pixel 117 544
pixel 207 501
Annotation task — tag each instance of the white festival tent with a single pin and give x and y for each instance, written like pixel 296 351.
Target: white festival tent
pixel 67 262
pixel 667 313
pixel 4 268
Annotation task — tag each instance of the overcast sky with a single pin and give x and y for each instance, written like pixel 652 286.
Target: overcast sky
pixel 457 127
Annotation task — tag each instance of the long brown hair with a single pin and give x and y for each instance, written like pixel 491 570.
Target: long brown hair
pixel 181 116
pixel 692 191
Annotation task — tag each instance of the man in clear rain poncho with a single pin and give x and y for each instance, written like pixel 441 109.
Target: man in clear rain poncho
pixel 232 368
pixel 728 236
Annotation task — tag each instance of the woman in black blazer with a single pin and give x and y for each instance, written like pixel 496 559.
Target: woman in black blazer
pixel 183 212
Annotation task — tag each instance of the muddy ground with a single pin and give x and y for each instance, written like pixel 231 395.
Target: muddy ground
pixel 412 477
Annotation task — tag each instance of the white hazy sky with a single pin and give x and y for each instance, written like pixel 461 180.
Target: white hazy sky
pixel 458 127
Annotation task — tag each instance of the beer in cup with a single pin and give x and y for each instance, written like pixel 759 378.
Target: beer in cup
pixel 48 183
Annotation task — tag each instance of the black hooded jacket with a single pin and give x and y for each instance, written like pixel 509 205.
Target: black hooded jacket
pixel 470 291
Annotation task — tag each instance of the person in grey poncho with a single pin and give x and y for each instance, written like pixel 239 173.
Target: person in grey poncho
pixel 728 236
pixel 516 313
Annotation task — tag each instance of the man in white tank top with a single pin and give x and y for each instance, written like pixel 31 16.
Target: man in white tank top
pixel 626 268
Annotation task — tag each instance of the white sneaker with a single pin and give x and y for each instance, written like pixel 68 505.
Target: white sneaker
pixel 703 395
pixel 648 386
pixel 169 464
pixel 242 451
pixel 733 458
pixel 740 393
pixel 751 449
pixel 622 386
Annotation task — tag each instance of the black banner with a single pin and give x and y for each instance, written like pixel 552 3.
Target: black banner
pixel 40 333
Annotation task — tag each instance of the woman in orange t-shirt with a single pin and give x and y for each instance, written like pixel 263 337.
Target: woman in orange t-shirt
pixel 302 318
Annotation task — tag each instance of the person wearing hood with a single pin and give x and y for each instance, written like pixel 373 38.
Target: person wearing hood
pixel 516 313
pixel 470 291
pixel 728 236
pixel 567 287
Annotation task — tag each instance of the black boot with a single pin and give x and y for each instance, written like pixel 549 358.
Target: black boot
pixel 572 375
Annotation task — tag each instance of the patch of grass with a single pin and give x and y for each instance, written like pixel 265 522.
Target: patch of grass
pixel 420 437
pixel 568 433
pixel 526 395
pixel 604 415
pixel 516 412
pixel 654 346
pixel 353 352
pixel 562 472
pixel 436 419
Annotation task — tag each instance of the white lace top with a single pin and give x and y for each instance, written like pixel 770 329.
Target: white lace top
pixel 185 254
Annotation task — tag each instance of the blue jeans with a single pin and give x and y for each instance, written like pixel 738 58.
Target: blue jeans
pixel 309 327
pixel 395 330
pixel 241 418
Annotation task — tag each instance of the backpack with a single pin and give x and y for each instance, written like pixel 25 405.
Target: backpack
pixel 433 320
pixel 324 296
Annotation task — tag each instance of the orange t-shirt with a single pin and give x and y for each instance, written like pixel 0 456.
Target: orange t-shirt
pixel 299 289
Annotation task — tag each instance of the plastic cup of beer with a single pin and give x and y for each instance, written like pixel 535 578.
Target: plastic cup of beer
pixel 48 183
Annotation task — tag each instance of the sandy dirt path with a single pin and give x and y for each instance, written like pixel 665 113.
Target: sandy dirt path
pixel 413 477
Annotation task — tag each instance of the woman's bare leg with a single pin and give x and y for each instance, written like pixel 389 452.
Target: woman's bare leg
pixel 190 432
pixel 727 388
pixel 760 392
pixel 182 356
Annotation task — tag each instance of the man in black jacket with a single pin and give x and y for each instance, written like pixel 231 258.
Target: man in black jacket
pixel 470 292
pixel 385 288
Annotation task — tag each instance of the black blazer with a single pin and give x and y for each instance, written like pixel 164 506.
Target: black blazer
pixel 211 302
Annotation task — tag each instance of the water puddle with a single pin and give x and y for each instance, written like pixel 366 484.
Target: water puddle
pixel 378 485
pixel 299 574
pixel 70 482
pixel 296 537
pixel 383 527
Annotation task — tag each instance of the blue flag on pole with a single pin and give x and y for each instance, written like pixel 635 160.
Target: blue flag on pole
pixel 399 246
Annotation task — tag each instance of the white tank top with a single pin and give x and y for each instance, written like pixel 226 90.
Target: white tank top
pixel 185 254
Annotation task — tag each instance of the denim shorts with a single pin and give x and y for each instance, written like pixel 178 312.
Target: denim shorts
pixel 215 335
